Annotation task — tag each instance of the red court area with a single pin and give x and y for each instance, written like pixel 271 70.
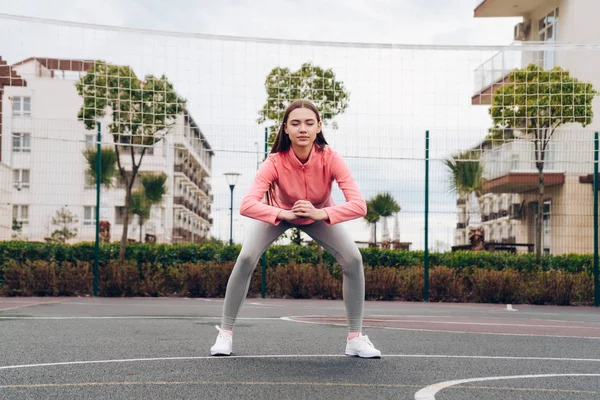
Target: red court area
pixel 510 326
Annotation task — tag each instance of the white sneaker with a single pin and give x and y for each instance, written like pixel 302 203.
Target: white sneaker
pixel 362 347
pixel 223 345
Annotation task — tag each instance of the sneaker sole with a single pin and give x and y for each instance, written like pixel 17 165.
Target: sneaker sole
pixel 219 353
pixel 355 354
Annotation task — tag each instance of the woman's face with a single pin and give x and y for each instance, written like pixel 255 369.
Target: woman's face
pixel 302 127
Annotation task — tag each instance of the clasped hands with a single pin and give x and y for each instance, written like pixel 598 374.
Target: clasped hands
pixel 303 209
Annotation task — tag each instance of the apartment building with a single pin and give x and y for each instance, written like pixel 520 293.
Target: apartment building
pixel 508 209
pixel 42 145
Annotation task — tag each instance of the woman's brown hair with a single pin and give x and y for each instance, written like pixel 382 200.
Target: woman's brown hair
pixel 282 140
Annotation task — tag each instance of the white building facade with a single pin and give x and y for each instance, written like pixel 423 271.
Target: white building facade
pixel 510 203
pixel 43 143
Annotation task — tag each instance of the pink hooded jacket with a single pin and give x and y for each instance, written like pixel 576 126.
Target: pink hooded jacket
pixel 310 181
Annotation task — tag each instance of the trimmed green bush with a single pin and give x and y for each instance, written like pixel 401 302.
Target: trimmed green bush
pixel 202 270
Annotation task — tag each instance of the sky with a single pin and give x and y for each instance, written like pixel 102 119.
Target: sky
pixel 414 79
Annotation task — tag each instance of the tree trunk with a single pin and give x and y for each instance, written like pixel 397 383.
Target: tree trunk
pixel 141 225
pixel 375 234
pixel 125 221
pixel 540 212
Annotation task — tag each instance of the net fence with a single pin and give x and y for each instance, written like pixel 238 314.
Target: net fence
pixel 183 110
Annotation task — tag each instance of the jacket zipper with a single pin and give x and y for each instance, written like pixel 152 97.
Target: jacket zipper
pixel 305 184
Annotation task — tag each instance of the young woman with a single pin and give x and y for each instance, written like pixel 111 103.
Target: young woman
pixel 293 189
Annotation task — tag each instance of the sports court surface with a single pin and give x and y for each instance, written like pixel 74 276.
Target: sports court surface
pixel 149 348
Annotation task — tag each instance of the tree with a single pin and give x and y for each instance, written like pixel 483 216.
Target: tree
pixel 309 82
pixel 108 160
pixel 142 200
pixel 371 217
pixel 382 205
pixel 64 219
pixel 466 175
pixel 532 106
pixel 141 207
pixel 142 113
pixel 17 227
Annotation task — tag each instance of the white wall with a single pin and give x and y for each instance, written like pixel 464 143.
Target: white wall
pixel 57 165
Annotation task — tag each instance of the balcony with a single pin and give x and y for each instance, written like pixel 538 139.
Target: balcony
pixel 493 73
pixel 200 185
pixel 522 182
pixel 183 235
pixel 510 168
pixel 506 8
pixel 187 204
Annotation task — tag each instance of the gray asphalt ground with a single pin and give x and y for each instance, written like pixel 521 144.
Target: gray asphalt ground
pixel 147 348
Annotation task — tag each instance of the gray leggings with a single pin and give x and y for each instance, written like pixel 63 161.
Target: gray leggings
pixel 334 238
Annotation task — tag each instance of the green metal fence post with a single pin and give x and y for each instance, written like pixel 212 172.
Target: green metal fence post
pixel 263 258
pixel 596 278
pixel 98 173
pixel 426 260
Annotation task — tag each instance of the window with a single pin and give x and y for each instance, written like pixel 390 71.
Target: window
pixel 21 213
pixel 21 179
pixel 89 215
pixel 21 106
pixel 548 32
pixel 21 142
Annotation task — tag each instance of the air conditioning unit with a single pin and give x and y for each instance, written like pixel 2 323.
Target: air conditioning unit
pixel 521 30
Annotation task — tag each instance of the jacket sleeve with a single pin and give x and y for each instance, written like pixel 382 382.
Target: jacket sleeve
pixel 355 205
pixel 252 205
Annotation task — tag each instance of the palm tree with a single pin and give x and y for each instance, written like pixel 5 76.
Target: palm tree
pixel 466 177
pixel 466 173
pixel 371 217
pixel 382 205
pixel 154 187
pixel 385 206
pixel 142 200
pixel 108 164
pixel 140 206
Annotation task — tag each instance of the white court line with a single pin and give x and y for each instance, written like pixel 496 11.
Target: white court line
pixel 67 363
pixel 429 392
pixel 136 317
pixel 217 303
pixel 290 319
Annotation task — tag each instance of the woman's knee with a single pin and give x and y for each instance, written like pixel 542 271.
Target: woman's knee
pixel 353 262
pixel 247 260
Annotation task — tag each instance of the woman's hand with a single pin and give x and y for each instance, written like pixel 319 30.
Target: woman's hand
pixel 304 208
pixel 286 215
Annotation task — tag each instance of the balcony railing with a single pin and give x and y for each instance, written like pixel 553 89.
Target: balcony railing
pixel 496 69
pixel 500 65
pixel 182 201
pixel 203 186
pixel 517 156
